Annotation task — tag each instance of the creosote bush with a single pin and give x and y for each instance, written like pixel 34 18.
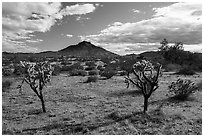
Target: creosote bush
pixel 186 71
pixel 93 78
pixel 182 89
pixel 93 72
pixel 6 85
pixel 108 73
pixel 6 72
pixel 77 73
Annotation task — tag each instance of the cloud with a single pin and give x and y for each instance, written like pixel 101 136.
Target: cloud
pixel 80 18
pixel 69 35
pixel 177 22
pixel 78 9
pixel 136 11
pixel 21 19
pixel 34 41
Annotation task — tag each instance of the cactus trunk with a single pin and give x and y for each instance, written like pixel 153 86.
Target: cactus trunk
pixel 43 104
pixel 145 104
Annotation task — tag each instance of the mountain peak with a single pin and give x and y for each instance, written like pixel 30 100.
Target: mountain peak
pixel 84 43
pixel 86 49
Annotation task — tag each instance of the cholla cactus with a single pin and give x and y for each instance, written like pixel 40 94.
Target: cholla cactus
pixel 146 78
pixel 37 75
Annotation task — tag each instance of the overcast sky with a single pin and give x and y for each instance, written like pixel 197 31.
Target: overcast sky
pixel 122 28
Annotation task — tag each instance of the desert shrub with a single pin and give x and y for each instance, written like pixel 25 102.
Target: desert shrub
pixel 199 85
pixel 77 73
pixel 186 71
pixel 90 63
pixel 57 70
pixel 172 67
pixel 93 78
pixel 6 85
pixel 18 70
pixel 81 73
pixel 6 72
pixel 182 89
pixel 93 72
pixel 67 68
pixel 74 73
pixel 101 68
pixel 108 73
pixel 76 66
pixel 90 68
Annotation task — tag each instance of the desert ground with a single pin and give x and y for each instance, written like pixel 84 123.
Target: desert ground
pixel 105 107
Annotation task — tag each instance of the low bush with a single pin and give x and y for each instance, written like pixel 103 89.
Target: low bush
pixel 108 73
pixel 77 73
pixel 90 63
pixel 101 68
pixel 182 89
pixel 18 70
pixel 199 85
pixel 66 68
pixel 57 70
pixel 172 67
pixel 76 66
pixel 93 72
pixel 6 72
pixel 82 73
pixel 90 68
pixel 186 71
pixel 6 85
pixel 92 79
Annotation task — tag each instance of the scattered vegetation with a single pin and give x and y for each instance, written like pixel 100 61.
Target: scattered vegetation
pixel 108 73
pixel 142 74
pixel 199 85
pixel 6 85
pixel 182 89
pixel 6 72
pixel 93 78
pixel 57 70
pixel 76 72
pixel 186 71
pixel 172 67
pixel 18 70
pixel 93 72
pixel 176 55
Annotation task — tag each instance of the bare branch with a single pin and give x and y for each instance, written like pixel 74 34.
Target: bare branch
pixel 138 77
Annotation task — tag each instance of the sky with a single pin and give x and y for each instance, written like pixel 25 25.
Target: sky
pixel 120 27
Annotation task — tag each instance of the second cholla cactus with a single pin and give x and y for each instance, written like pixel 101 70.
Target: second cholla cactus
pixel 145 78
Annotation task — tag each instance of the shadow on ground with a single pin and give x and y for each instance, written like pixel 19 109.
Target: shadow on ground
pixel 125 92
pixel 156 117
pixel 171 101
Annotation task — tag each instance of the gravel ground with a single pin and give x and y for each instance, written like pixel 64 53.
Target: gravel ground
pixel 105 107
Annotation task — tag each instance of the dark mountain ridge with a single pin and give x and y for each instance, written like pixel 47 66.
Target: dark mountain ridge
pixel 86 49
pixel 82 49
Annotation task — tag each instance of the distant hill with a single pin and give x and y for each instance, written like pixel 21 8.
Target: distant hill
pixel 86 49
pixel 82 49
